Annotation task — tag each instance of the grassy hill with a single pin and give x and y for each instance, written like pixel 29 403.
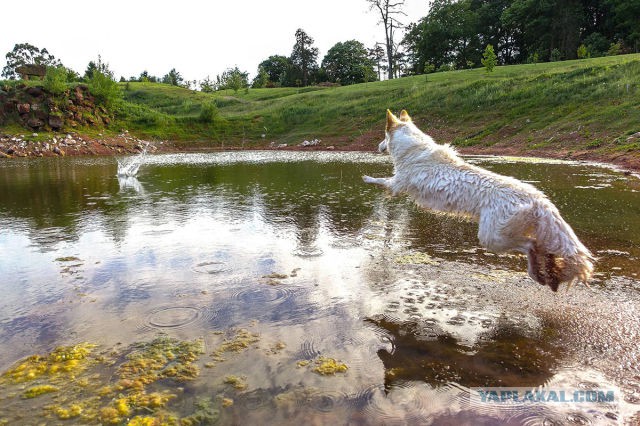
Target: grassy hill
pixel 562 108
pixel 582 104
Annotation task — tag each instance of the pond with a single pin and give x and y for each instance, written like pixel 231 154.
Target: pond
pixel 278 288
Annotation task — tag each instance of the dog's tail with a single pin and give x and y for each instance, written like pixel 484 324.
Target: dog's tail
pixel 557 255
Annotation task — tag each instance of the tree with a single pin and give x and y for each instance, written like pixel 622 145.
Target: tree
pixel 377 56
pixel 104 88
pixel 207 85
pixel 173 78
pixel 99 66
pixel 489 59
pixel 389 10
pixel 348 63
pixel 26 54
pixel 261 80
pixel 304 55
pixel 232 78
pixel 275 66
pixel 146 77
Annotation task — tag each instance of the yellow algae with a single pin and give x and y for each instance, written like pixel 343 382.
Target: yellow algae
pixel 35 391
pixel 74 410
pixel 109 415
pixel 416 259
pixel 238 383
pixel 68 259
pixel 64 359
pixel 303 363
pixel 122 406
pixel 329 366
pixel 276 276
pixel 143 421
pixel 227 402
pixel 238 343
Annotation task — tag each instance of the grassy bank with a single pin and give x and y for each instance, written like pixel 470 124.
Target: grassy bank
pixel 583 104
pixel 559 108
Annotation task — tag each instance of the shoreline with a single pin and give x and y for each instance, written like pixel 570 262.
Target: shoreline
pixel 73 144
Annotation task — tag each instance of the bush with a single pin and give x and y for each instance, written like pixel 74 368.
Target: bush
pixel 582 52
pixel 614 49
pixel 55 80
pixel 489 58
pixel 208 112
pixel 556 55
pixel 104 89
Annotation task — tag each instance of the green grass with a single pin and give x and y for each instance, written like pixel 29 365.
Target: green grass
pixel 580 104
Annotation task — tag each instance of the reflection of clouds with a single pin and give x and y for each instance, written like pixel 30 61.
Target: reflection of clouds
pixel 130 182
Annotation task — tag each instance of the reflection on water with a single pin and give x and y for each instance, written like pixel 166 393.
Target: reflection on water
pixel 296 251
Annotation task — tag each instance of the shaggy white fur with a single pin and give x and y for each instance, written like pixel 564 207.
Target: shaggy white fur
pixel 512 215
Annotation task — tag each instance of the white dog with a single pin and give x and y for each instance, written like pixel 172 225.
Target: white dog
pixel 512 215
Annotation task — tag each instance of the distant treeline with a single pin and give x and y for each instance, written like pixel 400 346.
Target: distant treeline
pixel 455 33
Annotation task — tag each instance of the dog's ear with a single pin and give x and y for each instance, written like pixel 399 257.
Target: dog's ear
pixel 392 120
pixel 404 116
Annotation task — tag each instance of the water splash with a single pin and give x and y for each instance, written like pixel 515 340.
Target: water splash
pixel 129 167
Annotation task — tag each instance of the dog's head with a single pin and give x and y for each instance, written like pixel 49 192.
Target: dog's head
pixel 401 133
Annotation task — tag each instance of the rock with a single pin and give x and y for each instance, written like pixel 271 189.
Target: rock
pixel 78 93
pixel 58 151
pixel 56 122
pixel 35 123
pixel 35 91
pixel 24 108
pixel 3 155
pixel 331 148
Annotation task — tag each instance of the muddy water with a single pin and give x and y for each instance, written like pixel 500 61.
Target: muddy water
pixel 294 254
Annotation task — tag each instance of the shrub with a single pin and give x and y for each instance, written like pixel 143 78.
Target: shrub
pixel 556 55
pixel 55 80
pixel 582 52
pixel 489 58
pixel 104 89
pixel 614 49
pixel 208 112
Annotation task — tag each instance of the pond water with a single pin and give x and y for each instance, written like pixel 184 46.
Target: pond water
pixel 223 285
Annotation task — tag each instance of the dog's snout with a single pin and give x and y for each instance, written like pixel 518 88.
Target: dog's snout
pixel 382 147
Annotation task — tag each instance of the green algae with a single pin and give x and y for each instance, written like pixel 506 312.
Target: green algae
pixel 238 383
pixel 94 389
pixel 238 342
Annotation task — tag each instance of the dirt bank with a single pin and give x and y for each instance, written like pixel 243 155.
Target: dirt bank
pixel 75 144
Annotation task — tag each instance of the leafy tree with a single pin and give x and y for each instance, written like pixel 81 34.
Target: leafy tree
pixel 146 77
pixel 275 66
pixel 625 22
pixel 207 85
pixel 99 66
pixel 348 63
pixel 55 80
pixel 377 56
pixel 26 54
pixel 389 10
pixel 489 58
pixel 173 78
pixel 304 55
pixel 261 80
pixel 232 78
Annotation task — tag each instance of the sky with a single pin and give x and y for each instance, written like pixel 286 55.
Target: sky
pixel 197 38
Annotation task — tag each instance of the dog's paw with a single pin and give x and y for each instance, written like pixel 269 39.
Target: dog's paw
pixel 368 179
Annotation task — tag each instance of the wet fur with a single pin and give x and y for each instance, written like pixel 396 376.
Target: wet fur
pixel 512 215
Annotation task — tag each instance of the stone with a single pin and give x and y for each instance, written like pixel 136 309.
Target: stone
pixel 24 108
pixel 56 122
pixel 58 151
pixel 35 123
pixel 36 92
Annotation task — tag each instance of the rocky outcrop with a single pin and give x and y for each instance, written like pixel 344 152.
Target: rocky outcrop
pixel 36 109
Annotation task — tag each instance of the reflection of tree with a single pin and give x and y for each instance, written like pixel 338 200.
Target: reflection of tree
pixel 505 356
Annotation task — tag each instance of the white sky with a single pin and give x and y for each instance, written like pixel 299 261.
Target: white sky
pixel 198 38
